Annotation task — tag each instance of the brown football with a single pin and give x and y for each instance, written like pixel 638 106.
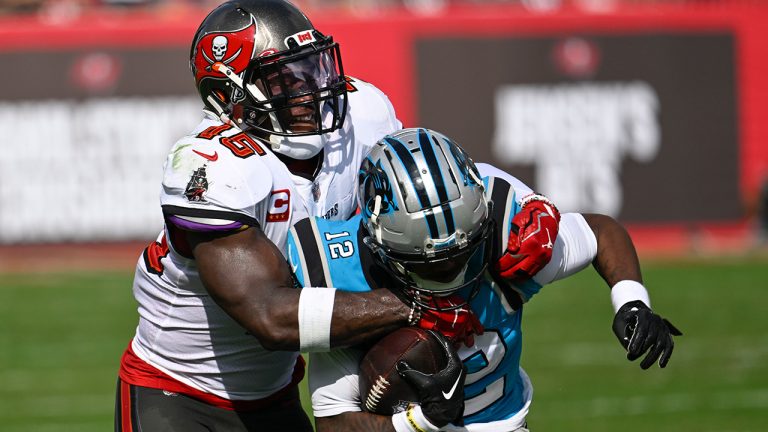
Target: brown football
pixel 382 390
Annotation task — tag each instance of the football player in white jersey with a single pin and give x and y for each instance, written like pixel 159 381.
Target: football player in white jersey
pixel 430 224
pixel 221 325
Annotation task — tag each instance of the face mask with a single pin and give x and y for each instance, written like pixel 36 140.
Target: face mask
pixel 301 147
pixel 438 287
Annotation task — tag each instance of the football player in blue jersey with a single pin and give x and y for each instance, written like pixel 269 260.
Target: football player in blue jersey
pixel 433 224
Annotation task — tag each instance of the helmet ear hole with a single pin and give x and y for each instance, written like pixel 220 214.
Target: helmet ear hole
pixel 220 95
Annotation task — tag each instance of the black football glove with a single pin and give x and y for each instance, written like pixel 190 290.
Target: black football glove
pixel 441 394
pixel 640 330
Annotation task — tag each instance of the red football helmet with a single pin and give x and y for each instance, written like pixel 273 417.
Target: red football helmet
pixel 262 65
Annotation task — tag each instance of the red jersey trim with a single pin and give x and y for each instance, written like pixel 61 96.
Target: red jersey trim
pixel 136 371
pixel 126 421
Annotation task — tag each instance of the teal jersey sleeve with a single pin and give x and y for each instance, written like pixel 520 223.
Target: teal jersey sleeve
pixel 505 205
pixel 325 253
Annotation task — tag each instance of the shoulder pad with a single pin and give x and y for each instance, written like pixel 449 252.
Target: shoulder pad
pixel 373 105
pixel 224 180
pixel 490 171
pixel 501 194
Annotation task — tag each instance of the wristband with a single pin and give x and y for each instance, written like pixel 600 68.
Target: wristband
pixel 413 420
pixel 549 205
pixel 315 313
pixel 626 291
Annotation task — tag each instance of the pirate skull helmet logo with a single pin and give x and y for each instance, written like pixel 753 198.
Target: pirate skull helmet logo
pixel 219 47
pixel 246 56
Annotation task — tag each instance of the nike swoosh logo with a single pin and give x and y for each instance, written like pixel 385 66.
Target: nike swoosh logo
pixel 294 267
pixel 450 393
pixel 212 158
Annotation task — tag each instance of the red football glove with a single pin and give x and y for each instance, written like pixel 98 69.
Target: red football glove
pixel 529 248
pixel 458 325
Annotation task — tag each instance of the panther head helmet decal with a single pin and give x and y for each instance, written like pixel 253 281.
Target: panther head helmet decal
pixel 376 183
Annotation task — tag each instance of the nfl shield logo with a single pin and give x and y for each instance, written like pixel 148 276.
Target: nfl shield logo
pixel 316 191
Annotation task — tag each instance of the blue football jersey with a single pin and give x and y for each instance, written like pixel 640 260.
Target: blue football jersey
pixel 332 254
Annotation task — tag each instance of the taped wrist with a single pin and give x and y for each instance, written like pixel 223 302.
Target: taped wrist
pixel 315 313
pixel 413 420
pixel 627 291
pixel 550 207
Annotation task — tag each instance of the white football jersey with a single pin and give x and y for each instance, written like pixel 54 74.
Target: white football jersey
pixel 219 178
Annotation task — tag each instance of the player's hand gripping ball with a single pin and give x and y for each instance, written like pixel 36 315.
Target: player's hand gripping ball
pixel 413 366
pixel 531 239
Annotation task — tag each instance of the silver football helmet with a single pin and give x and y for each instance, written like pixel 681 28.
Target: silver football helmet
pixel 426 216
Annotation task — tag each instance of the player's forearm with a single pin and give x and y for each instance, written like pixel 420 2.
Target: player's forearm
pixel 355 422
pixel 355 317
pixel 351 318
pixel 358 317
pixel 616 258
pixel 248 277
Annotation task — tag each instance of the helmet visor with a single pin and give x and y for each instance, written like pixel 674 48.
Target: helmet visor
pixel 447 272
pixel 305 75
pixel 301 91
pixel 443 270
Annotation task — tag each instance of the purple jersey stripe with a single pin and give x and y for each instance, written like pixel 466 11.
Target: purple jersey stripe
pixel 199 226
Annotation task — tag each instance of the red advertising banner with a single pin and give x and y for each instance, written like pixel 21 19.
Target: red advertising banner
pixel 703 65
pixel 612 124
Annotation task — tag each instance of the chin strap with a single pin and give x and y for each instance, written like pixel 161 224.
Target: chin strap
pixel 297 147
pixel 375 218
pixel 223 116
pixel 302 146
pixel 476 179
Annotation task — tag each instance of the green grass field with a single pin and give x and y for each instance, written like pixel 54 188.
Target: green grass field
pixel 61 336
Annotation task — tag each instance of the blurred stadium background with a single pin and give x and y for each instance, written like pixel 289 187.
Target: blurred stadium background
pixel 653 111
